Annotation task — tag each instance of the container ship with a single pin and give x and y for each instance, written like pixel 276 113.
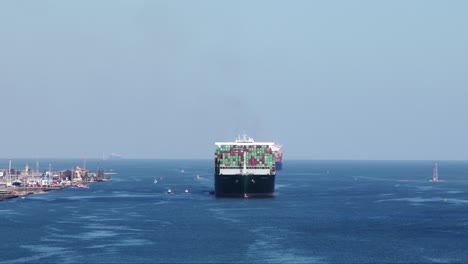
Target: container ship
pixel 244 168
pixel 278 154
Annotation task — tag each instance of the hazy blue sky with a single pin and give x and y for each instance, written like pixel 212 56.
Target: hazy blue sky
pixel 165 79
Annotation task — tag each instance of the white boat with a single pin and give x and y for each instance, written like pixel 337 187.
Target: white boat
pixel 82 186
pixel 435 173
pixel 155 181
pixel 186 191
pixel 169 191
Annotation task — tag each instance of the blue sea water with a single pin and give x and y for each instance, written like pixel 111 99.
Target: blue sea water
pixel 323 212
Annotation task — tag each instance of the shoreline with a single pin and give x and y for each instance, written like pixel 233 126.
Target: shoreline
pixel 16 192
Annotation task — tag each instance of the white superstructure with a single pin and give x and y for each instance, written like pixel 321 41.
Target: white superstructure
pixel 244 141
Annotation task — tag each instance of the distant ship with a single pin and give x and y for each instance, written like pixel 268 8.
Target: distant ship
pixel 112 156
pixel 244 168
pixel 435 174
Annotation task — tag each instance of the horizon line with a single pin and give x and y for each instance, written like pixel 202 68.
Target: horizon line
pixel 187 158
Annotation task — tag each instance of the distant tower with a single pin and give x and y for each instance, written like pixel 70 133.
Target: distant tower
pixel 435 173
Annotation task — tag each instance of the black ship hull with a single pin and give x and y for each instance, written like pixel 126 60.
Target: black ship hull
pixel 244 185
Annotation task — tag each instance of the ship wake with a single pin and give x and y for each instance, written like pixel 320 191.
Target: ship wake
pixel 269 247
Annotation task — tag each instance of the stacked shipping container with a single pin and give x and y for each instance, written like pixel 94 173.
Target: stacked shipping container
pixel 258 156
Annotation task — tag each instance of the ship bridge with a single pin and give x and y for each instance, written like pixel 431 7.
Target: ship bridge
pixel 244 144
pixel 244 141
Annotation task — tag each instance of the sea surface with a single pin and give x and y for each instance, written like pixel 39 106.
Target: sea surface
pixel 323 212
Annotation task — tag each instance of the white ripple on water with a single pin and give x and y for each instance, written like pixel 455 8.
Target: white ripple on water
pixel 117 179
pixel 8 212
pixel 86 236
pixel 103 219
pixel 161 202
pixel 279 186
pixel 99 218
pixel 42 197
pixel 54 229
pixel 124 243
pixel 159 222
pixel 223 215
pixel 120 195
pixel 306 173
pixel 111 227
pixel 53 240
pixel 39 252
pixel 425 188
pixel 88 217
pixel 420 200
pixel 119 210
pixel 97 234
pixel 373 178
pixel 454 192
pixel 67 222
pixel 442 260
pixel 268 248
pixel 133 214
pixel 69 207
pixel 385 194
pixel 230 215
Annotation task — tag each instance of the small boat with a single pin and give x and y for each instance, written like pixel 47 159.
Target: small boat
pixel 82 186
pixel 169 191
pixel 155 181
pixel 186 191
pixel 435 174
pixel 197 177
pixel 16 183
